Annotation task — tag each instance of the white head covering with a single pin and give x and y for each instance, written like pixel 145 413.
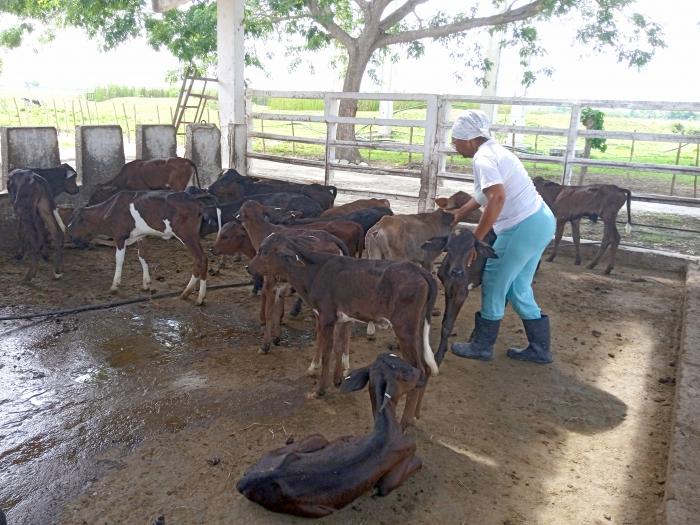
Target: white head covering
pixel 471 123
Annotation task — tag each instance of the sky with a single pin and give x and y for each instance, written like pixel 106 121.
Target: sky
pixel 73 62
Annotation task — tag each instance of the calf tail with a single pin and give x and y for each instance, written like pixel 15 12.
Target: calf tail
pixel 196 174
pixel 628 226
pixel 428 355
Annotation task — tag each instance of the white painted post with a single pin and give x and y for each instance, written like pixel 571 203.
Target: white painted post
pixel 428 176
pixel 231 53
pixel 494 55
pixel 570 154
pixel 331 108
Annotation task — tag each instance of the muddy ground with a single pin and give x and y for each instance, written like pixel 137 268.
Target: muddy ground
pixel 123 415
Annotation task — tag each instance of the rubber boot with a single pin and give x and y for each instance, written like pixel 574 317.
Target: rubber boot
pixel 481 342
pixel 537 331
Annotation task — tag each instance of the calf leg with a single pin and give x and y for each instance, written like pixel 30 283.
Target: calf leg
pixel 397 475
pixel 326 327
pixel 281 292
pixel 50 219
pixel 557 238
pixel 576 234
pixel 199 268
pixel 341 351
pixel 141 250
pixel 296 309
pixel 371 331
pixel 601 250
pixel 119 263
pixel 614 243
pixel 268 299
pixel 318 358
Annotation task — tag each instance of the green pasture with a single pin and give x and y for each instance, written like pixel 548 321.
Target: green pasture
pixel 65 112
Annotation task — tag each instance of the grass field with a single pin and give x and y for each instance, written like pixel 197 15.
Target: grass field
pixel 67 112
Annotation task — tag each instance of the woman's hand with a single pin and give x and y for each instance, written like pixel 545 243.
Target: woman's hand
pixel 463 211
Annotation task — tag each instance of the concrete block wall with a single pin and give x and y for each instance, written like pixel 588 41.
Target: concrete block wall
pixel 27 147
pixel 203 147
pixel 155 141
pixel 99 154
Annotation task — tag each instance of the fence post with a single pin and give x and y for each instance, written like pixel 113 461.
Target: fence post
pixel 534 164
pixel 632 148
pixel 126 121
pixel 331 107
pixel 19 119
pixel 294 144
pixel 72 105
pixel 431 144
pixel 369 151
pixel 571 136
pixel 410 142
pixel 55 116
pixel 262 130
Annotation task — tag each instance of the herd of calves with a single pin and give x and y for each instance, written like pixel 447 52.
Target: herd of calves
pixel 298 241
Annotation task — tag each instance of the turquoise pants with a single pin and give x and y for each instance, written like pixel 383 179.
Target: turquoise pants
pixel 509 278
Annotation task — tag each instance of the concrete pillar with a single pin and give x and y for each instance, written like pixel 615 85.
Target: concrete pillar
pixel 99 154
pixel 231 53
pixel 155 141
pixel 27 147
pixel 203 147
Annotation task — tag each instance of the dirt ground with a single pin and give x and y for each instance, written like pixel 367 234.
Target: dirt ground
pixel 123 415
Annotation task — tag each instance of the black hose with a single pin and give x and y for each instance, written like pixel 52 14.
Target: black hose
pixel 114 304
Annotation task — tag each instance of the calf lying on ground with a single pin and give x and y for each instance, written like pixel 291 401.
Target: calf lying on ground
pixel 360 204
pixel 458 278
pixel 233 185
pixel 172 174
pixel 274 290
pixel 366 218
pixel 571 203
pixel 39 221
pixel 343 289
pixel 315 477
pixel 131 216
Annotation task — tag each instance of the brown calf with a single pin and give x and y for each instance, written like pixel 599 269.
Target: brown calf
pixel 456 201
pixel 401 237
pixel 357 205
pixel 344 289
pixel 595 201
pixel 171 174
pixel 39 221
pixel 131 216
pixel 315 477
pixel 252 217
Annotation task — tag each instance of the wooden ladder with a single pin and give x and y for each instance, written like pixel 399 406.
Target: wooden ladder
pixel 193 87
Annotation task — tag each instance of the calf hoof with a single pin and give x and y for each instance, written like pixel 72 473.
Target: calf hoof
pixel 294 314
pixel 114 291
pixel 591 266
pixel 577 262
pixel 316 394
pixel 57 276
pixel 436 312
pixel 199 302
pixel 253 292
pixel 313 367
pixel 550 258
pixel 276 341
pixel 264 349
pixel 608 270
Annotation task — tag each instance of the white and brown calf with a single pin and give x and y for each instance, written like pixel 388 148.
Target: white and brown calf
pixel 130 216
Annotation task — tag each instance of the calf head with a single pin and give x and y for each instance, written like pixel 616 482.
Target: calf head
pixel 276 255
pixel 454 202
pixel 233 239
pixel 70 181
pixel 230 184
pixel 549 190
pixel 251 211
pixel 80 229
pixel 459 245
pixel 389 377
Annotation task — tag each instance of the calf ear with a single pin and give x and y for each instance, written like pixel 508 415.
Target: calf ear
pixel 485 250
pixel 435 244
pixel 441 202
pixel 356 380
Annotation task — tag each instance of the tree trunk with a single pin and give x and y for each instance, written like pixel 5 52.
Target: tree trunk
pixel 357 63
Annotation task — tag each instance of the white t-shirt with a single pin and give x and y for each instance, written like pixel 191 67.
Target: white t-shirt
pixel 493 164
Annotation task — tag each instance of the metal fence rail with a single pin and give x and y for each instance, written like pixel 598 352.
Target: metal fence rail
pixel 436 149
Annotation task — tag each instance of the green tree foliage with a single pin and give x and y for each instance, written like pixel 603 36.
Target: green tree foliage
pixel 594 119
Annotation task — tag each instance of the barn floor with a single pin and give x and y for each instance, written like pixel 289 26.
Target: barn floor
pixel 119 416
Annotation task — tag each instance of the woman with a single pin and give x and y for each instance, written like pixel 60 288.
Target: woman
pixel 524 225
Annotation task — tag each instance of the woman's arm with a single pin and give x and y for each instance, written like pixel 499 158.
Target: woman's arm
pixel 464 210
pixel 496 196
